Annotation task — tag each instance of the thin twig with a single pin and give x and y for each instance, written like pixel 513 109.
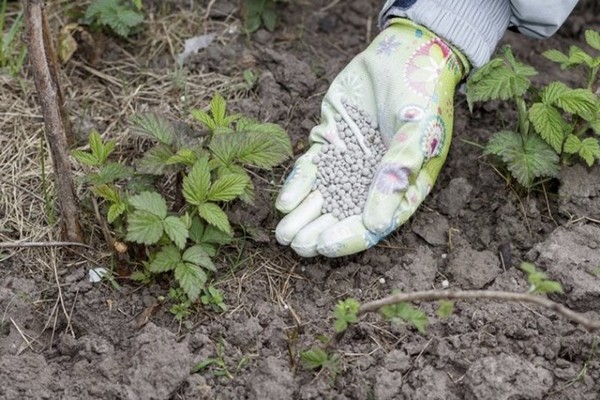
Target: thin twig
pixel 433 295
pixel 12 245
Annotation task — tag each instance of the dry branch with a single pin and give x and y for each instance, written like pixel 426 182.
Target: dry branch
pixel 45 73
pixel 434 295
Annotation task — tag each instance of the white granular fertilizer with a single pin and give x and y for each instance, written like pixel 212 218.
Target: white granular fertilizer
pixel 344 176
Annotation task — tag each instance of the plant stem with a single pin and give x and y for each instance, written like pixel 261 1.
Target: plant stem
pixel 434 295
pixel 523 117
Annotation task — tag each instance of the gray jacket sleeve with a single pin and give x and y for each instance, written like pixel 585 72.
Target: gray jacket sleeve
pixel 476 26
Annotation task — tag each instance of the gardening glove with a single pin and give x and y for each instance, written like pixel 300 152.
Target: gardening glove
pixel 389 115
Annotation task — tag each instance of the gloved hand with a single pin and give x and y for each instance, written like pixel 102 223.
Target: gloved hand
pixel 400 89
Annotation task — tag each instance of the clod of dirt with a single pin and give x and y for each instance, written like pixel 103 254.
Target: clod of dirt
pixel 159 365
pixel 572 256
pixel 579 192
pixel 272 381
pixel 506 377
pixel 291 72
pixel 471 269
pixel 416 270
pixel 455 197
pixel 388 385
pixel 26 377
pixel 432 227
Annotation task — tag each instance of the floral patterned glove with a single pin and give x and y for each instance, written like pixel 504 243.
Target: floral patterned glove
pixel 403 86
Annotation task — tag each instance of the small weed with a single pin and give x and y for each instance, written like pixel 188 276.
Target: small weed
pixel 122 17
pixel 538 281
pixel 12 51
pixel 181 308
pixel 319 359
pixel 345 313
pixel 213 298
pixel 218 364
pixel 257 13
pixel 554 122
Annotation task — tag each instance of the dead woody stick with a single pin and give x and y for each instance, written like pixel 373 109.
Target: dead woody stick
pixel 45 73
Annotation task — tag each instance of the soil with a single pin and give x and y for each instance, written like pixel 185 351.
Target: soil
pixel 80 340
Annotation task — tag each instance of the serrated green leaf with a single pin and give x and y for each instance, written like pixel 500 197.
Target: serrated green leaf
pixel 183 156
pixel 521 69
pixel 225 147
pixel 191 278
pixel 214 235
pixel 218 109
pixel 213 214
pixel 553 92
pixel 260 150
pixel 404 312
pixel 156 160
pixel 556 56
pixel 204 119
pixel 198 256
pixel 578 101
pixel 274 132
pixel 526 159
pixel 197 230
pixel 107 192
pixel 595 125
pixel 176 230
pixel 228 187
pixel 150 202
pixel 445 308
pixel 209 248
pixel 314 358
pixel 85 158
pixel 114 211
pixel 144 227
pixel 549 124
pixel 167 259
pixel 527 267
pixel 578 56
pixel 546 287
pixel 154 126
pixel 197 183
pixel 495 80
pixel 97 147
pixel 340 325
pixel 592 38
pixel 589 150
pixel 109 173
pixel 572 144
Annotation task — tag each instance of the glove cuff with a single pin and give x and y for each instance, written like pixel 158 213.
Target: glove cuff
pixel 475 28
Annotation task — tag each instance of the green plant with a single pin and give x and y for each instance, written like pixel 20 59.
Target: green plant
pixel 182 305
pixel 122 17
pixel 180 228
pixel 553 122
pixel 538 281
pixel 345 313
pixel 319 359
pixel 218 363
pixel 213 298
pixel 12 51
pixel 257 13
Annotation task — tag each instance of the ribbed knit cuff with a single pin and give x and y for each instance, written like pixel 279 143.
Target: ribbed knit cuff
pixel 473 26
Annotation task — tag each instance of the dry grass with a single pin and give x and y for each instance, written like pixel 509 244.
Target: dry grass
pixel 133 76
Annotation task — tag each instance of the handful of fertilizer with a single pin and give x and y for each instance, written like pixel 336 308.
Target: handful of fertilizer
pixel 345 175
